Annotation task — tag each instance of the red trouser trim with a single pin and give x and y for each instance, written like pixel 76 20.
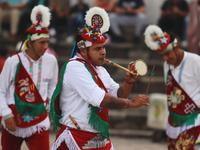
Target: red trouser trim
pixel 185 140
pixel 37 141
pixel 81 138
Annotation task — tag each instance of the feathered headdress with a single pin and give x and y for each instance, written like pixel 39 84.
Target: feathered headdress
pixel 97 23
pixel 158 40
pixel 40 17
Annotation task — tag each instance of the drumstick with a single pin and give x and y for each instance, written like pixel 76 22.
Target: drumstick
pixel 116 65
pixel 75 123
pixel 150 79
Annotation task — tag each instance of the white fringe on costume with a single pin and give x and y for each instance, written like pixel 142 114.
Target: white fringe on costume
pixel 69 141
pixel 27 132
pixel 174 132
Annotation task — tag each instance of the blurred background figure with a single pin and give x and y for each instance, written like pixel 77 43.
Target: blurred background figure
pixel 76 18
pixel 108 5
pixel 25 21
pixel 10 11
pixel 50 50
pixel 127 13
pixel 60 10
pixel 3 56
pixel 172 17
pixel 193 28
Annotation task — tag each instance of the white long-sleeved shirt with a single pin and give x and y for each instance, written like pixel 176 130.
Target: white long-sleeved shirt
pixel 188 77
pixel 49 75
pixel 187 74
pixel 79 90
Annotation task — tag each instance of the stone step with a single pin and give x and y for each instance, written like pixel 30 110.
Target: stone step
pixel 132 133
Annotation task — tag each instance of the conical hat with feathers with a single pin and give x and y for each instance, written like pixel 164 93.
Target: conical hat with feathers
pixel 97 24
pixel 157 40
pixel 40 17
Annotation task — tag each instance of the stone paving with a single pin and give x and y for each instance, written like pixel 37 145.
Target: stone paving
pixel 122 143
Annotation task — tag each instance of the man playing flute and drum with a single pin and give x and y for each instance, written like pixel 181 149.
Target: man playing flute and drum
pixel 86 91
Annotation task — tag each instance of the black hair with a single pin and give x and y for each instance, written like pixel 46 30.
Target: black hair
pixel 172 37
pixel 3 51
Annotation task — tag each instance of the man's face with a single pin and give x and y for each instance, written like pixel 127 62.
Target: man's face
pixel 41 45
pixel 98 53
pixel 170 57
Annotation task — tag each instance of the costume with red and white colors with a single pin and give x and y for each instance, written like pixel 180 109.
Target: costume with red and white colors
pixel 81 91
pixel 28 80
pixel 47 85
pixel 82 86
pixel 183 92
pixel 186 75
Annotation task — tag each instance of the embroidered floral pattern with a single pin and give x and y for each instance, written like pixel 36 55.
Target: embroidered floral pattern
pixel 175 98
pixel 27 117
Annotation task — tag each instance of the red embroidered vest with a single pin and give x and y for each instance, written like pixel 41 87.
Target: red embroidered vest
pixel 29 106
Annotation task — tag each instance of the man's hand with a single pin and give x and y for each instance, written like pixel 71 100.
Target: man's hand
pixel 10 124
pixel 112 102
pixel 129 78
pixel 139 100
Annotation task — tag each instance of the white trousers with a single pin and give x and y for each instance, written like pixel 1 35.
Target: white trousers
pixel 11 16
pixel 117 20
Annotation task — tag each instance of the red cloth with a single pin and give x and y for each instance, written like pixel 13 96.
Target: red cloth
pixel 82 138
pixel 2 61
pixel 185 140
pixel 28 93
pixel 20 120
pixel 176 93
pixel 39 141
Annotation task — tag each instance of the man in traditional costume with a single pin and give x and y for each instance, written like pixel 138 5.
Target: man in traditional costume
pixel 181 73
pixel 28 80
pixel 86 91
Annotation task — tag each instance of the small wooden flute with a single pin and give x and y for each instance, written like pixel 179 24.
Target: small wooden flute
pixel 116 65
pixel 75 123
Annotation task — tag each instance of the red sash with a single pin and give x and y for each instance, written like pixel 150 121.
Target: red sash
pixel 23 121
pixel 98 116
pixel 29 106
pixel 88 140
pixel 101 112
pixel 182 107
pixel 178 100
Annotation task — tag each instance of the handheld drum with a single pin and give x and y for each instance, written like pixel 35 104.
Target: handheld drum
pixel 141 67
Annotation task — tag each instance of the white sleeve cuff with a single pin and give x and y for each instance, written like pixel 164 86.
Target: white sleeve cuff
pixel 6 111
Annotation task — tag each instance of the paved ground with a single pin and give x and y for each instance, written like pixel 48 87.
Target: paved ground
pixel 122 143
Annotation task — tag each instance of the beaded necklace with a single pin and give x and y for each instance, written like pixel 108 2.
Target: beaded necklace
pixel 31 69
